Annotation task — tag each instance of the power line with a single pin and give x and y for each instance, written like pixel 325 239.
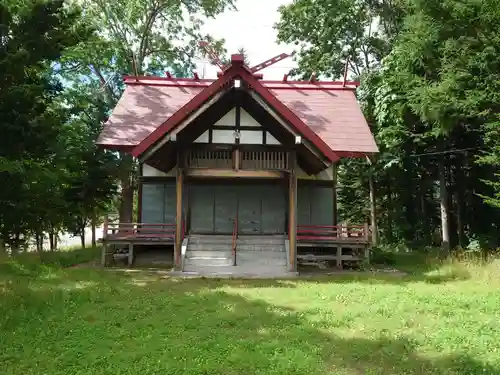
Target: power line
pixel 456 151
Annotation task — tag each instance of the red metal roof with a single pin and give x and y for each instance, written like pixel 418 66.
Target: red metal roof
pixel 142 109
pixel 326 113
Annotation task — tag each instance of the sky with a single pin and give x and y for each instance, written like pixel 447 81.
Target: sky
pixel 251 27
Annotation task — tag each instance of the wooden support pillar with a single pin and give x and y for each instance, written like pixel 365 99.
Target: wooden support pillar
pixel 292 219
pixel 366 229
pixel 130 254
pixel 178 217
pixel 339 256
pixel 236 159
pixel 334 195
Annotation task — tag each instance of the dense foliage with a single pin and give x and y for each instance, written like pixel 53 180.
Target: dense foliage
pixel 430 76
pixel 36 158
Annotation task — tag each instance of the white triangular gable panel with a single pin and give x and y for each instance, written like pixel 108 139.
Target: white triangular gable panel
pixel 246 119
pixel 204 138
pixel 229 119
pixel 149 171
pixel 325 175
pixel 247 136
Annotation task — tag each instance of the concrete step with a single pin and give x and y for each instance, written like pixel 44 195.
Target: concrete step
pixel 260 240
pixel 228 239
pixel 211 240
pixel 268 248
pixel 240 247
pixel 236 270
pixel 274 275
pixel 226 253
pixel 204 261
pixel 196 252
pixel 209 246
pixel 254 255
pixel 261 262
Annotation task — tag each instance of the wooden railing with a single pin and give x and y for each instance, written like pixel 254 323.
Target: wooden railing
pixel 262 158
pixel 200 158
pixel 333 233
pixel 235 239
pixel 139 230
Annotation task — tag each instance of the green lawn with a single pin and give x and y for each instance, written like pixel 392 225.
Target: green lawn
pixel 87 321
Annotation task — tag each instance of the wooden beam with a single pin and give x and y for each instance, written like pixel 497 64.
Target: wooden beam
pixel 292 211
pixel 236 159
pixel 178 216
pixel 229 173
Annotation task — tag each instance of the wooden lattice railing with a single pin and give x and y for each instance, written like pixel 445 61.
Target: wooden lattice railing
pixel 264 160
pixel 165 231
pixel 138 230
pixel 359 233
pixel 222 159
pixel 204 158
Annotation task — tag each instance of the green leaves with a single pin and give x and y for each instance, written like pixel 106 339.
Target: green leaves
pixel 41 141
pixel 327 32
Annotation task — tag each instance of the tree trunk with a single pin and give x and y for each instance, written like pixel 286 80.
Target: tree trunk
pixel 460 202
pixel 443 201
pixel 127 190
pixel 390 235
pixel 3 250
pixel 39 242
pixel 93 226
pixel 52 243
pixel 373 211
pixel 14 247
pixel 82 238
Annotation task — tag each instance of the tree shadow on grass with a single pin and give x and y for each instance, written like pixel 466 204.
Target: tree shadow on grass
pixel 114 326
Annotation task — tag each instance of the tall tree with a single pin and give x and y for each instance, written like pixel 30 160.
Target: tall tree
pixel 328 33
pixel 90 183
pixel 443 71
pixel 33 35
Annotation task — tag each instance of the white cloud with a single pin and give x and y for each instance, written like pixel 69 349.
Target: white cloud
pixel 251 27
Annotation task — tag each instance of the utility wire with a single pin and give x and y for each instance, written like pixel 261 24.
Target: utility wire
pixel 456 151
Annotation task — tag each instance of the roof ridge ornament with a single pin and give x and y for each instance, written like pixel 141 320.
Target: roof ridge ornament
pixel 215 60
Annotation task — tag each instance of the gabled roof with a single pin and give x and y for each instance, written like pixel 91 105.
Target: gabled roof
pixel 325 113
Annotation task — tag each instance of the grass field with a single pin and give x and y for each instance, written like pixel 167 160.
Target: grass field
pixel 58 321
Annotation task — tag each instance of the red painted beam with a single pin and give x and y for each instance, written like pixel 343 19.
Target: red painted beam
pixel 271 61
pixel 213 55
